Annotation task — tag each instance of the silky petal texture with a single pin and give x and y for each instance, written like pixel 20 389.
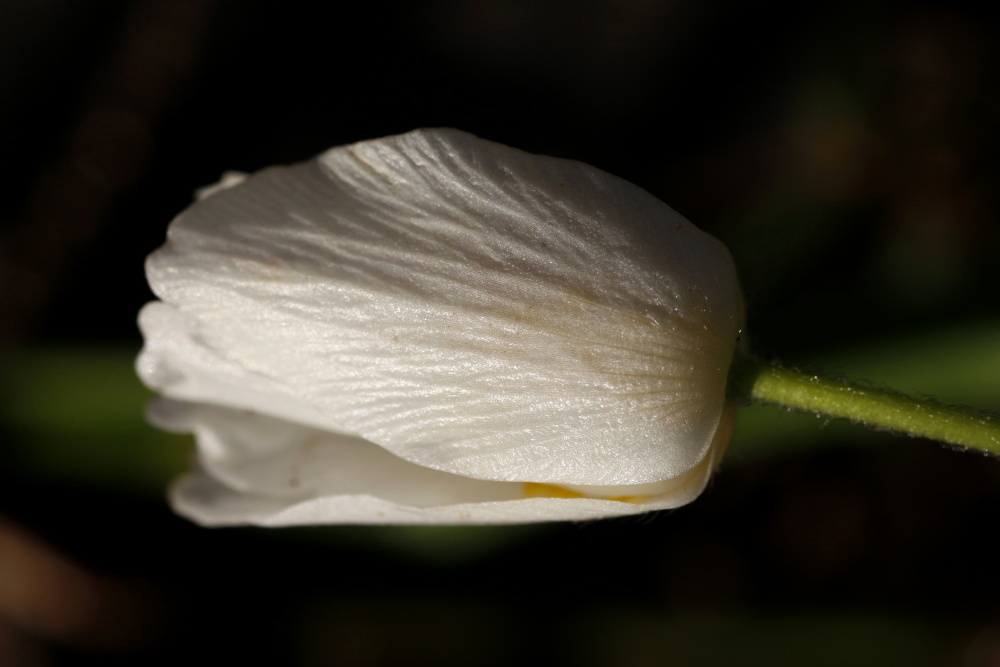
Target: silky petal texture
pixel 469 307
pixel 265 471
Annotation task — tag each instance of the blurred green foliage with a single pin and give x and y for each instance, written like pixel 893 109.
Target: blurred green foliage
pixel 76 415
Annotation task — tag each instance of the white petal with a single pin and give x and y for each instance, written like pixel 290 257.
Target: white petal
pixel 270 457
pixel 469 307
pixel 265 471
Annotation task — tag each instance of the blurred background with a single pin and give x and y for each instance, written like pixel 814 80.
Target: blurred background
pixel 846 152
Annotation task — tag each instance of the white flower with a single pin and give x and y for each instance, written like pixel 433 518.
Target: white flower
pixel 434 328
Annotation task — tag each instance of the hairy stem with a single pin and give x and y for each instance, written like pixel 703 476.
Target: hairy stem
pixel 876 408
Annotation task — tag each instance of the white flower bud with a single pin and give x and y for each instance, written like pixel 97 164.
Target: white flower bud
pixel 434 328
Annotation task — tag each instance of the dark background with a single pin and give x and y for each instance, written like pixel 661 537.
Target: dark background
pixel 846 152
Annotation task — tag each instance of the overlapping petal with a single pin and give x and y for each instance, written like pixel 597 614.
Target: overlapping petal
pixel 265 471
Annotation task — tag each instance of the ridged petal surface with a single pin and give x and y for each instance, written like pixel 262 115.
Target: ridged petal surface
pixel 469 307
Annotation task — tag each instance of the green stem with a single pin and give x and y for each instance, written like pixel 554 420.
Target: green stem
pixel 876 408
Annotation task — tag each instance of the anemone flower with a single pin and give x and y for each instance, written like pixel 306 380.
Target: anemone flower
pixel 435 328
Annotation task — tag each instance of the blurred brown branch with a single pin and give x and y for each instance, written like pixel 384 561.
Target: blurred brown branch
pixel 108 150
pixel 45 595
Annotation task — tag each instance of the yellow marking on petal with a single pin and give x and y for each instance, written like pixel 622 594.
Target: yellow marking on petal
pixel 538 490
pixel 635 500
